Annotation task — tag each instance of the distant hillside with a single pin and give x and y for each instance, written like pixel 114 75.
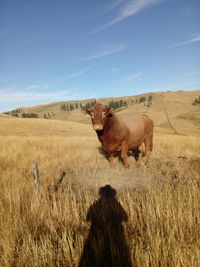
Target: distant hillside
pixel 176 108
pixel 38 127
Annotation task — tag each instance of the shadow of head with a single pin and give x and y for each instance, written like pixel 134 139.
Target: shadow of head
pixel 106 243
pixel 107 192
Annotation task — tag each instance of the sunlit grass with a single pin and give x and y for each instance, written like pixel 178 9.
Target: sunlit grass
pixel 161 200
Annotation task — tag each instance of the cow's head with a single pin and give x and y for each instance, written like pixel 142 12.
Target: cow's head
pixel 98 115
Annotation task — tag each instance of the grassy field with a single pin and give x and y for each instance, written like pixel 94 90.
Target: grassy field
pixel 161 200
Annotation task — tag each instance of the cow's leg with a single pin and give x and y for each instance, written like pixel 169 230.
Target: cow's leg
pixel 141 151
pixel 148 147
pixel 124 151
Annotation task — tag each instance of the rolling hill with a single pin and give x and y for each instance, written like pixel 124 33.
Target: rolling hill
pixel 171 112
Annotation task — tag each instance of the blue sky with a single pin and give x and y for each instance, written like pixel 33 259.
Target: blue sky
pixel 74 49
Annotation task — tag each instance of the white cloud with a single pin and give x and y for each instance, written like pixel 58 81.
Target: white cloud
pixel 17 96
pixel 182 86
pixel 134 76
pixel 114 4
pixel 114 69
pixel 37 86
pixel 75 74
pixel 192 74
pixel 39 92
pixel 192 40
pixel 131 8
pixel 53 82
pixel 109 51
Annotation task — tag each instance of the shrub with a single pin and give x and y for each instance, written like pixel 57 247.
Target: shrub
pixel 29 115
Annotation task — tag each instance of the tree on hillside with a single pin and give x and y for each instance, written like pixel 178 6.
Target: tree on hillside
pixel 86 106
pixel 117 104
pixel 142 99
pixel 71 107
pixel 15 114
pixel 196 101
pixel 149 102
pixel 62 107
pixel 29 115
pixel 125 103
pixel 92 103
pixel 65 107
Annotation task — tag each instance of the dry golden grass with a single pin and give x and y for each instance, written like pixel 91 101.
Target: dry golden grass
pixel 162 201
pixel 41 127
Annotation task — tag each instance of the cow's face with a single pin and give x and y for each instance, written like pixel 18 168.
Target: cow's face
pixel 98 115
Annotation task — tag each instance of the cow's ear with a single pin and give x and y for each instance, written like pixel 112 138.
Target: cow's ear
pixel 87 111
pixel 109 111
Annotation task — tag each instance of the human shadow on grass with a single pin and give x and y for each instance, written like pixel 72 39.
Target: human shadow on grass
pixel 106 244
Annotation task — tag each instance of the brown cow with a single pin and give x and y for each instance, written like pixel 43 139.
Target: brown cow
pixel 118 133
